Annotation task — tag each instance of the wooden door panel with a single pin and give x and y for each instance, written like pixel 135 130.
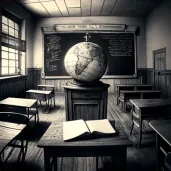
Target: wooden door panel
pixel 159 60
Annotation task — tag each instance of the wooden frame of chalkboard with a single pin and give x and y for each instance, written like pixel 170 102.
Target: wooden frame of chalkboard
pixel 128 68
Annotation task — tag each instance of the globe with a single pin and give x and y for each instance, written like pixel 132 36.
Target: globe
pixel 85 62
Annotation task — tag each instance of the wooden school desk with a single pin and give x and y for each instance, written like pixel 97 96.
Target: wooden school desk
pixel 54 146
pixel 48 87
pixel 120 87
pixel 8 132
pixel 125 95
pixel 163 140
pixel 42 95
pixel 30 105
pixel 147 108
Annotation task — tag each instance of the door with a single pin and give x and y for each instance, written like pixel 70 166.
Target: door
pixel 159 67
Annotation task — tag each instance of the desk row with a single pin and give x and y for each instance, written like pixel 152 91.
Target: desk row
pixel 29 105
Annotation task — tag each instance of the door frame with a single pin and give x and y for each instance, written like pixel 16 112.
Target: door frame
pixel 155 52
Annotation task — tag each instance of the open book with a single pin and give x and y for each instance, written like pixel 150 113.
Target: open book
pixel 80 129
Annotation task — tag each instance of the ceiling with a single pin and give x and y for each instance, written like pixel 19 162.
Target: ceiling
pixel 76 8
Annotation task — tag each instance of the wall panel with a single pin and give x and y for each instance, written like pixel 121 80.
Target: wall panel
pixel 13 87
pixel 35 76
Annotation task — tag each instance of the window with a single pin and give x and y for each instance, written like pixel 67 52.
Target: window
pixel 12 47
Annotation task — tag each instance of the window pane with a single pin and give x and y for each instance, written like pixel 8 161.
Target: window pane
pixel 22 64
pixel 16 56
pixel 16 26
pixel 11 23
pixel 4 29
pixel 12 70
pixel 4 62
pixel 16 64
pixel 5 20
pixel 12 56
pixel 4 54
pixel 11 63
pixel 4 48
pixel 4 70
pixel 11 31
pixel 11 50
pixel 16 34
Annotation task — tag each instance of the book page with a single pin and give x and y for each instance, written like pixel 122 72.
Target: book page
pixel 73 129
pixel 100 126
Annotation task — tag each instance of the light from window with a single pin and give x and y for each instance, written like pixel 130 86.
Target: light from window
pixel 12 59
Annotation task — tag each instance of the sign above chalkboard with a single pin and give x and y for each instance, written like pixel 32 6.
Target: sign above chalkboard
pixel 89 28
pixel 81 27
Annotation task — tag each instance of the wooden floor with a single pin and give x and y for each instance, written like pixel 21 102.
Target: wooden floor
pixel 137 159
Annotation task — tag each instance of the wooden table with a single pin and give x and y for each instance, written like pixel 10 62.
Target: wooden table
pixel 42 95
pixel 8 132
pixel 27 104
pixel 126 95
pixel 131 87
pixel 54 146
pixel 147 108
pixel 163 140
pixel 48 87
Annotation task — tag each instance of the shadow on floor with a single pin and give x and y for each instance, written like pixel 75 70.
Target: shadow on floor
pixel 13 166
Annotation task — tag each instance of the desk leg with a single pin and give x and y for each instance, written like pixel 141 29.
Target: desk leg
pixel 37 112
pixel 117 95
pixel 46 160
pixel 140 132
pixel 48 105
pixel 55 166
pixel 54 96
pixel 132 117
pixel 28 113
pixel 119 160
pixel 158 157
pixel 1 163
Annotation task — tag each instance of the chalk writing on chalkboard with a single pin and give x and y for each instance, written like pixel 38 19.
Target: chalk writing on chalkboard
pixel 53 68
pixel 53 50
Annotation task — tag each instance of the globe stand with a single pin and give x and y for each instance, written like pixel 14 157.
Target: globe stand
pixel 87 101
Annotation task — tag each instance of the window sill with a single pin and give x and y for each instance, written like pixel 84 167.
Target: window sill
pixel 15 77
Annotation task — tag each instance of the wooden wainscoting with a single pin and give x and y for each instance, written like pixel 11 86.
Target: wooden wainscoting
pixel 13 87
pixel 150 75
pixel 164 84
pixel 168 84
pixel 34 78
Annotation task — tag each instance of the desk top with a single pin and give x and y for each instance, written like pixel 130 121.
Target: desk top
pixel 145 103
pixel 8 131
pixel 45 92
pixel 162 128
pixel 53 137
pixel 134 85
pixel 44 85
pixel 18 102
pixel 140 91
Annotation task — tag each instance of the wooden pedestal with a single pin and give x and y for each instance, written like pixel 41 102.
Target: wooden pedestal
pixel 86 102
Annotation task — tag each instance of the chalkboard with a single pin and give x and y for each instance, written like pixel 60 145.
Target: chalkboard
pixel 118 47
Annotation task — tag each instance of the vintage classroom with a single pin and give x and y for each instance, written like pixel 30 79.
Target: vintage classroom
pixel 37 94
